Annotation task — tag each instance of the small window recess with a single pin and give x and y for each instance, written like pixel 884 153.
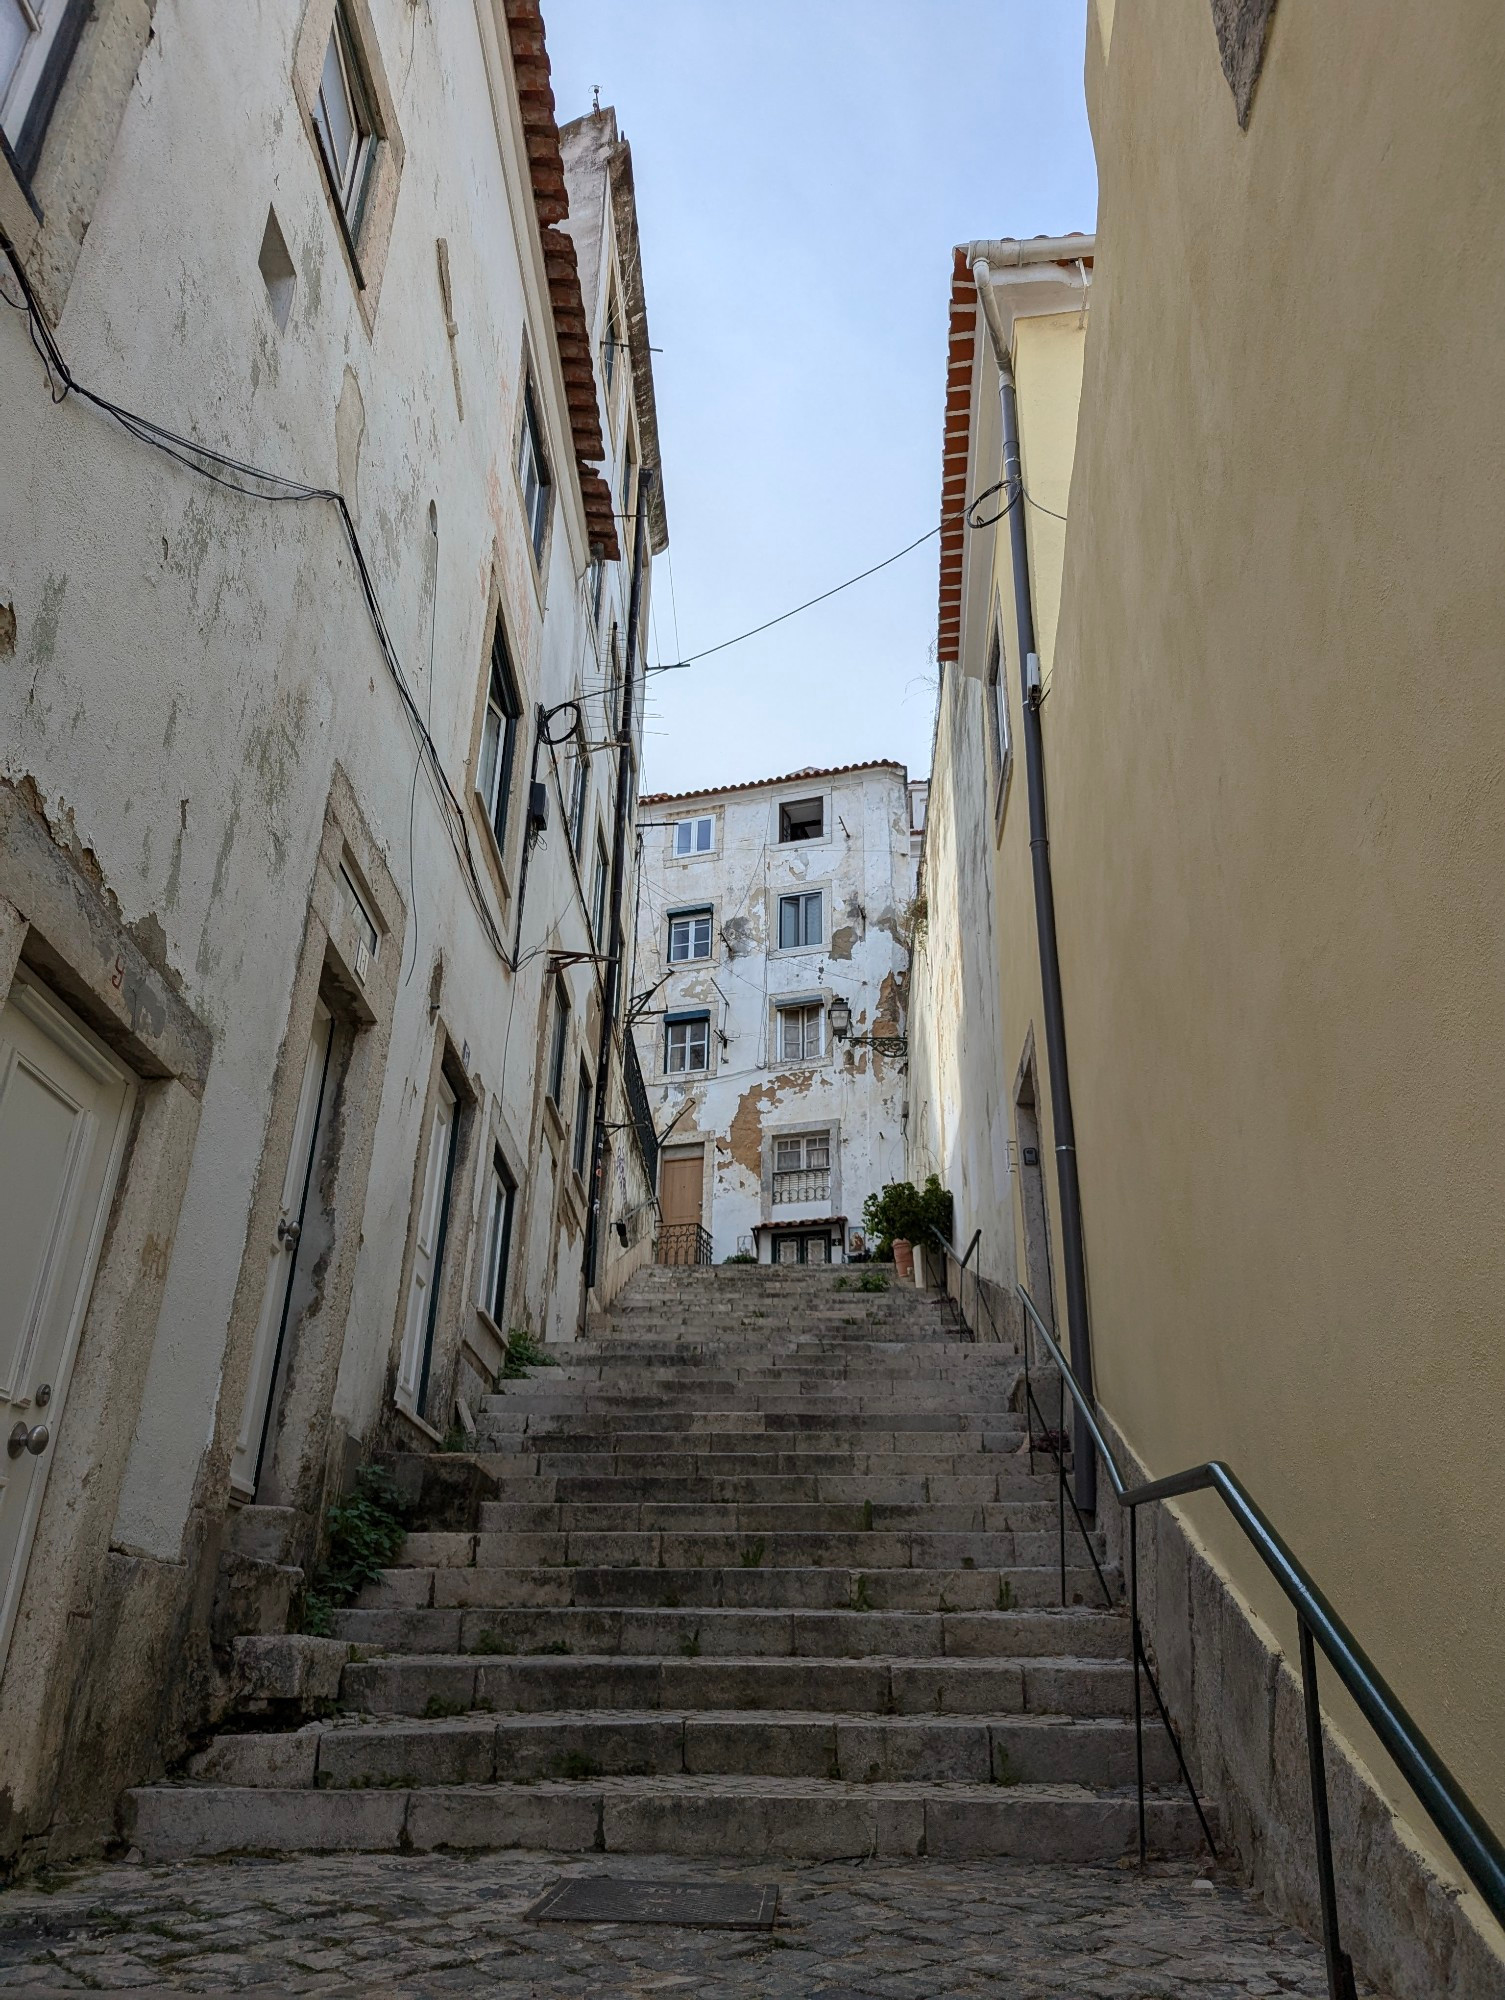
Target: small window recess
pixel 802 819
pixel 694 836
pixel 38 39
pixel 363 924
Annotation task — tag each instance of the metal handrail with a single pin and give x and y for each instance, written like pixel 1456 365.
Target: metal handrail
pixel 961 1264
pixel 1471 1841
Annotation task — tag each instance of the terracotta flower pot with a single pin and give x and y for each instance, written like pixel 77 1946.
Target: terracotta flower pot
pixel 904 1258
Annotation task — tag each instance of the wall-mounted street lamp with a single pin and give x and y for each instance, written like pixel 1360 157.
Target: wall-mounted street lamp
pixel 840 1015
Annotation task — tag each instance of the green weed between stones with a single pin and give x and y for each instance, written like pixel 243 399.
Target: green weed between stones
pixel 365 1533
pixel 690 1647
pixel 752 1555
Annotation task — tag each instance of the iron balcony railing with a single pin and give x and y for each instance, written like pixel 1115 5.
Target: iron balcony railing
pixel 803 1184
pixel 683 1243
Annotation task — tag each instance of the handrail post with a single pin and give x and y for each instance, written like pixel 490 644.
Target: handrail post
pixel 1061 1476
pixel 1340 1982
pixel 1138 1704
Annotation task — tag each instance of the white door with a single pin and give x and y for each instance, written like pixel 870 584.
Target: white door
pixel 426 1252
pixel 65 1106
pixel 282 1258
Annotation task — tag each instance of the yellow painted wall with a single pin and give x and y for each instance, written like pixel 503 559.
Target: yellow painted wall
pixel 1275 745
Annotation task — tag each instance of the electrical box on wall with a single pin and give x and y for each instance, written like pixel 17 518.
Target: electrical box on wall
pixel 538 807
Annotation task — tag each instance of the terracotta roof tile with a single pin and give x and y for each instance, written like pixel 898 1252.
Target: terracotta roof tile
pixel 789 778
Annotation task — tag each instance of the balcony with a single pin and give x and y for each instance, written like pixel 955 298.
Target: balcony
pixel 808 1184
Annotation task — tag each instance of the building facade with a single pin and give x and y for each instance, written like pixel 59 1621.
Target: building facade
pixel 1273 837
pixel 769 1009
pixel 326 535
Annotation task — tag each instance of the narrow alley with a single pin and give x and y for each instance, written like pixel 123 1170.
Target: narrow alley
pixel 752 1015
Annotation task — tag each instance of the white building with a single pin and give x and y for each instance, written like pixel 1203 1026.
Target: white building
pixel 769 1008
pixel 311 1063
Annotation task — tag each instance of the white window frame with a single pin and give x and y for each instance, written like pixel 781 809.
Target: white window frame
pixel 352 176
pixel 600 889
pixel 580 778
pixel 689 923
pixel 41 22
pixel 804 897
pixel 812 1152
pixel 679 1050
pixel 810 1012
pixel 585 1092
pixel 494 786
pixel 559 1047
pixel 688 845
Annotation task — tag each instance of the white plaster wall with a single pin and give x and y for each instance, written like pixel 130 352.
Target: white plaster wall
pixel 190 664
pixel 959 1125
pixel 862 864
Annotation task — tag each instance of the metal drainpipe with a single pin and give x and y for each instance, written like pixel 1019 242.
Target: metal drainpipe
pixel 613 968
pixel 1073 1253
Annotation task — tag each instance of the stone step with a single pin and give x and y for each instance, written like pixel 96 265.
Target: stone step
pixel 653 1419
pixel 978 1475
pixel 886 1548
pixel 981 1451
pixel 463 1586
pixel 736 1632
pixel 753 1517
pixel 739 1818
pixel 451 1684
pixel 583 1744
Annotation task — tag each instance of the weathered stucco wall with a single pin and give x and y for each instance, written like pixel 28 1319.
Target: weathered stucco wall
pixel 861 865
pixel 193 707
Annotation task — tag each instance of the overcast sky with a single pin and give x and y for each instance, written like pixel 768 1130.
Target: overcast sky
pixel 803 168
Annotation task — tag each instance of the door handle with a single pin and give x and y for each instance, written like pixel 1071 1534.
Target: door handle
pixel 288 1233
pixel 34 1438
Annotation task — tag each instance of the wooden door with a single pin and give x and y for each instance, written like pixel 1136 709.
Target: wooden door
pixel 282 1259
pixel 65 1106
pixel 681 1182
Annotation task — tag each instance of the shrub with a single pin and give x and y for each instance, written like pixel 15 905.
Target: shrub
pixel 365 1532
pixel 523 1353
pixel 741 1257
pixel 902 1209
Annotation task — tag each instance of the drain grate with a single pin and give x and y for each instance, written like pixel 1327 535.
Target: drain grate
pixel 609 1899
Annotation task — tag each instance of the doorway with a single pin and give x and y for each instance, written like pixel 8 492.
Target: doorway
pixel 681 1234
pixel 428 1253
pixel 792 1246
pixel 277 1308
pixel 1039 1275
pixel 65 1106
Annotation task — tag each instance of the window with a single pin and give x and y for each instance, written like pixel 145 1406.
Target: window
pixel 582 1122
pixel 431 1230
pixel 998 711
pixel 687 1043
pixel 694 836
pixel 599 890
pixel 580 784
pixel 689 936
pixel 37 40
pixel 342 118
pixel 560 1044
pixel 629 482
pixel 500 1200
pixel 806 1152
pixel 595 582
pixel 799 920
pixel 362 923
pixel 533 472
pixel 801 1033
pixel 613 681
pixel 613 344
pixel 802 819
pixel 498 738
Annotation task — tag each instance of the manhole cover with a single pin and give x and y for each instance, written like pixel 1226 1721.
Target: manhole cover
pixel 604 1899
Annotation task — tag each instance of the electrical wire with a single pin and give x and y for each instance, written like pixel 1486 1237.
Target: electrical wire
pixel 253 482
pixel 674 666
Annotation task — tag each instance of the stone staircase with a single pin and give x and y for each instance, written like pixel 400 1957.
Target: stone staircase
pixel 759 1570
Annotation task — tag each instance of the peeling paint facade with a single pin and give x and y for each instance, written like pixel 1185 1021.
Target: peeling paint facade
pixel 286 888
pixel 760 906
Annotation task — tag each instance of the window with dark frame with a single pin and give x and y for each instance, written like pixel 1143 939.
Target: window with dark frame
pixel 998 711
pixel 687 1043
pixel 800 920
pixel 560 1044
pixel 596 579
pixel 599 890
pixel 343 120
pixel 37 42
pixel 504 708
pixel 500 1201
pixel 533 472
pixel 802 819
pixel 802 1032
pixel 613 344
pixel 581 1152
pixel 580 777
pixel 689 935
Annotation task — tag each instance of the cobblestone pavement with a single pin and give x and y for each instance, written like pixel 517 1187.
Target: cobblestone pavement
pixel 440 1925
